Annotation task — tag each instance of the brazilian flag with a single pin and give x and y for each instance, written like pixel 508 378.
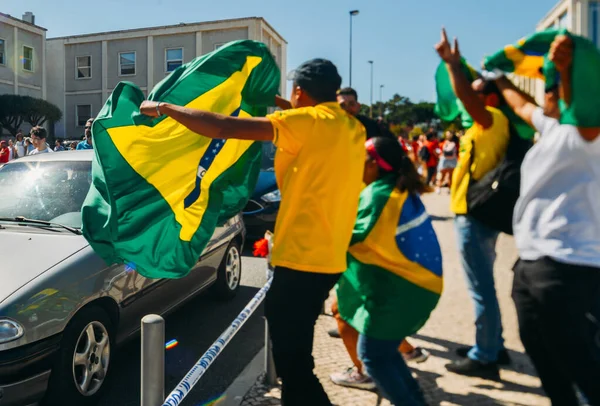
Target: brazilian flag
pixel 448 106
pixel 528 57
pixel 394 278
pixel 158 189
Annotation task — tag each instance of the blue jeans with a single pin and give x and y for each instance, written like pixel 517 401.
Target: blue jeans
pixel 477 247
pixel 385 365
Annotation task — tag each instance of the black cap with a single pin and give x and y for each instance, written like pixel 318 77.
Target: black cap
pixel 319 77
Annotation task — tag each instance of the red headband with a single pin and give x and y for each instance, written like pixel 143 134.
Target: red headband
pixel 375 156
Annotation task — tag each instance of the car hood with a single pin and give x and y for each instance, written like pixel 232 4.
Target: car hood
pixel 29 254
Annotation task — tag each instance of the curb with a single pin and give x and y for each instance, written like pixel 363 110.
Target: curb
pixel 235 393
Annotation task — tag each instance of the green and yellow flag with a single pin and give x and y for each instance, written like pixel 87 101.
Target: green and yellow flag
pixel 159 190
pixel 448 106
pixel 529 58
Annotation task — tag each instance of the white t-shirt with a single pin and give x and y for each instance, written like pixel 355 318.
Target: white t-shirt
pixel 558 212
pixel 20 148
pixel 36 151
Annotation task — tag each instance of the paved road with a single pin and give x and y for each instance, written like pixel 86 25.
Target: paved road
pixel 196 325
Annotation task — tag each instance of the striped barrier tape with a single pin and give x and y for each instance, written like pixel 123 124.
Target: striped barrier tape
pixel 193 376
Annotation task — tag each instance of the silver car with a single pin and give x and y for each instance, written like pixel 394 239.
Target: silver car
pixel 63 310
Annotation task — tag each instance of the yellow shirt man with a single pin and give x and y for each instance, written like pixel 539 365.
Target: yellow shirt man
pixel 490 147
pixel 319 163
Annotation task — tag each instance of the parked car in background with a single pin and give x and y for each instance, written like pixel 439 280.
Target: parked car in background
pixel 63 310
pixel 261 211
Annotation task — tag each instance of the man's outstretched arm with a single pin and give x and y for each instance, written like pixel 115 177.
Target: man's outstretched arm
pixel 212 125
pixel 523 105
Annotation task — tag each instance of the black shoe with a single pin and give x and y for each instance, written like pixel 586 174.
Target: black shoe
pixel 334 333
pixel 503 357
pixel 471 367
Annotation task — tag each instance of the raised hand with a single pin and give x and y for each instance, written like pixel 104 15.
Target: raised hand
pixel 445 51
pixel 561 53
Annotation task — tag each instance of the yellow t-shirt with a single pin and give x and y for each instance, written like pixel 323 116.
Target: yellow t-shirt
pixel 490 147
pixel 319 166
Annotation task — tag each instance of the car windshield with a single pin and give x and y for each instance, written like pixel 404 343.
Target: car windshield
pixel 48 190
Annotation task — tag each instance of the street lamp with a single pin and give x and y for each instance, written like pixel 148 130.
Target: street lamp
pixel 352 13
pixel 381 99
pixel 371 110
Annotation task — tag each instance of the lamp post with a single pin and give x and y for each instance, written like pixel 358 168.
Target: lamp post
pixel 371 109
pixel 381 100
pixel 352 14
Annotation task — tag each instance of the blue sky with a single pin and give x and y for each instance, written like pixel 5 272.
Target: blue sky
pixel 398 35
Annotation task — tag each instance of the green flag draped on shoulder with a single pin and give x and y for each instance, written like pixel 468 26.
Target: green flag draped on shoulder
pixel 448 106
pixel 528 57
pixel 159 190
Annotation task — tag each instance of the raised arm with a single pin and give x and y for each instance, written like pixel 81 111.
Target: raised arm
pixel 461 85
pixel 561 53
pixel 282 103
pixel 212 125
pixel 523 105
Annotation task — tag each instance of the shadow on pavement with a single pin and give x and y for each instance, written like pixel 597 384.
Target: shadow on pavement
pixel 195 325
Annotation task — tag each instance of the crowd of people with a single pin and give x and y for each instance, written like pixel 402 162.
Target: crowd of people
pixel 351 218
pixel 36 143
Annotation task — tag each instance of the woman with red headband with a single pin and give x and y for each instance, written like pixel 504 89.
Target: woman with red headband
pixel 394 276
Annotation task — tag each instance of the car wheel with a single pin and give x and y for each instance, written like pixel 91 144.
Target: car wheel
pixel 79 374
pixel 229 273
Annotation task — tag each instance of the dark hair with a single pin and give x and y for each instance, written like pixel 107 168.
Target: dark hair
pixel 431 135
pixel 319 78
pixel 490 87
pixel 38 131
pixel 390 150
pixel 348 91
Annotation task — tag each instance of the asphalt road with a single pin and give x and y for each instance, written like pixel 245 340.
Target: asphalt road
pixel 195 326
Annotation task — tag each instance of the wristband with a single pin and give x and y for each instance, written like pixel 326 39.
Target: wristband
pixel 158 108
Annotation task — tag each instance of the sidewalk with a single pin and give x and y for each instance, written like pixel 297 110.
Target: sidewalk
pixel 450 326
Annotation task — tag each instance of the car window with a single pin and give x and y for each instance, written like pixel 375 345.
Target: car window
pixel 49 191
pixel 268 156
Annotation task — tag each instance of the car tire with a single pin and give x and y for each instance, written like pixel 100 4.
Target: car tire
pixel 229 273
pixel 81 369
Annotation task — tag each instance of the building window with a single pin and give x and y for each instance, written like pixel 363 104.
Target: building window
pixel 219 45
pixel 83 67
pixel 126 63
pixel 563 20
pixel 83 113
pixel 27 58
pixel 173 58
pixel 594 15
pixel 2 52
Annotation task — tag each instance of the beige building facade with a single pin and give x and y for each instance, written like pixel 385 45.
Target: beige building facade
pixel 84 69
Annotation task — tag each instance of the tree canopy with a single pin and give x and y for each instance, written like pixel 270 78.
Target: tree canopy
pixel 15 110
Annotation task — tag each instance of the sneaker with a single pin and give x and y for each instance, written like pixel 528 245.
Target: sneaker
pixel 353 379
pixel 470 367
pixel 417 355
pixel 334 332
pixel 503 356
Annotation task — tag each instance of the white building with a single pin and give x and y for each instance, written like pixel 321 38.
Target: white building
pixel 84 69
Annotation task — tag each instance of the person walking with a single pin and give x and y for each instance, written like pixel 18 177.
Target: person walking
pixel 394 276
pixel 556 287
pixel 488 137
pixel 448 160
pixel 320 153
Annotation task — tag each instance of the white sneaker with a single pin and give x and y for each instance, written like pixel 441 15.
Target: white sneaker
pixel 351 378
pixel 418 355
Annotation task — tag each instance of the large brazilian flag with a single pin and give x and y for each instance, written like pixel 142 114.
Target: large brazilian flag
pixel 528 57
pixel 394 276
pixel 158 189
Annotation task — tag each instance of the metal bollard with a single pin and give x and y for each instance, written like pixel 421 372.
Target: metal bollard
pixel 270 373
pixel 153 360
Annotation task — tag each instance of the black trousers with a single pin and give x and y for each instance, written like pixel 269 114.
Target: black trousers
pixel 558 307
pixel 293 304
